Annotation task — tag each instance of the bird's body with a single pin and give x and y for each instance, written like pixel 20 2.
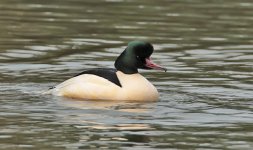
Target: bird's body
pixel 93 87
pixel 122 83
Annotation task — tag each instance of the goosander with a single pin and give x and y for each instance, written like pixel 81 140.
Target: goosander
pixel 122 83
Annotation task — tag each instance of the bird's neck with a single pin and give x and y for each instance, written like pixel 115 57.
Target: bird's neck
pixel 125 63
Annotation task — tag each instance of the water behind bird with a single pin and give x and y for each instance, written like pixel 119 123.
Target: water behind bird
pixel 205 96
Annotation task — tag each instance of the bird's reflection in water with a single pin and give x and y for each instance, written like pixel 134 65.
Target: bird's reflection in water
pixel 93 115
pixel 123 106
pixel 122 127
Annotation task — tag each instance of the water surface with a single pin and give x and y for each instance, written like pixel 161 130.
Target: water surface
pixel 205 97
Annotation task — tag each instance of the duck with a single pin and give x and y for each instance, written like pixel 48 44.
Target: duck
pixel 122 83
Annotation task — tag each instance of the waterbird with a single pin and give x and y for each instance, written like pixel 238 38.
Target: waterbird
pixel 120 83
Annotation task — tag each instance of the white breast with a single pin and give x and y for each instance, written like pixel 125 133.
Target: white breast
pixel 136 87
pixel 92 87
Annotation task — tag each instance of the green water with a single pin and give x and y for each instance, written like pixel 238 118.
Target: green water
pixel 206 95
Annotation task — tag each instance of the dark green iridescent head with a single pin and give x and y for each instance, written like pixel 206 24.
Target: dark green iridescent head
pixel 136 56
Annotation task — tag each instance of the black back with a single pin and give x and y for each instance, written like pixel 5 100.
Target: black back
pixel 107 73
